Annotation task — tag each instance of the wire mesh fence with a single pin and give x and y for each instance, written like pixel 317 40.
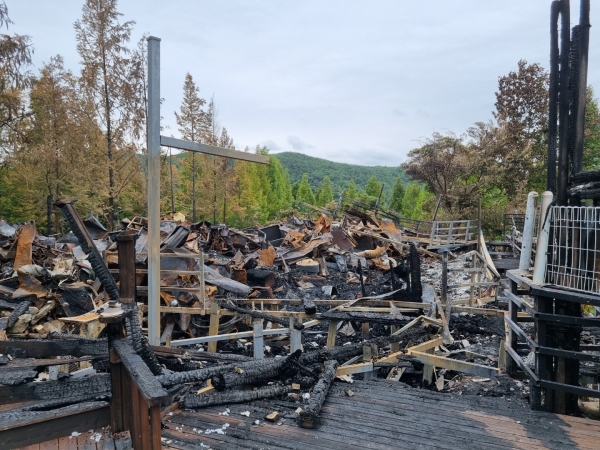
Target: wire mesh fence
pixel 574 248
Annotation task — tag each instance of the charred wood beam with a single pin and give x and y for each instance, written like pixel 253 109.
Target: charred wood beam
pixel 179 365
pixel 22 428
pixel 35 348
pixel 563 111
pixel 260 371
pixel 260 315
pixel 304 382
pixel 144 379
pixel 553 96
pixel 309 416
pixel 386 319
pixel 15 377
pixel 139 341
pixel 416 290
pixel 309 306
pixel 88 246
pixel 86 387
pixel 174 352
pixel 19 310
pixel 204 374
pixel 197 401
pixel 346 352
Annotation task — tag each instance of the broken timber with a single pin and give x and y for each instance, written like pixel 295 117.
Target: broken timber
pixel 219 398
pixel 309 415
pixel 259 371
pixel 385 319
pixel 260 315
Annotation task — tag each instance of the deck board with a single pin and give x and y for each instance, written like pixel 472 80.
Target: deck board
pixel 385 415
pixel 381 414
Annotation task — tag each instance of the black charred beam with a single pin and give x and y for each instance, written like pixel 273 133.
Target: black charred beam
pixel 262 370
pixel 37 348
pixel 563 111
pixel 192 401
pixel 582 70
pixel 310 414
pixel 86 388
pixel 141 375
pixel 553 97
pixel 19 310
pixel 260 315
pixel 383 318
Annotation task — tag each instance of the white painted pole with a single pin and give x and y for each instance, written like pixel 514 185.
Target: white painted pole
pixel 153 190
pixel 541 251
pixel 525 261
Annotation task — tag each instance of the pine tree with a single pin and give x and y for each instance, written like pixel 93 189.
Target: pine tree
pixel 305 192
pixel 192 126
pixel 397 196
pixel 350 193
pixel 107 79
pixel 326 192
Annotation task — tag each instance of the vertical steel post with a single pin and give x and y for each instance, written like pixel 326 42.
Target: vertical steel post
pixel 525 260
pixel 541 248
pixel 153 136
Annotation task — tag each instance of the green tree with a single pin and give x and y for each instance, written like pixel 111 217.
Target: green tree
pixel 591 142
pixel 350 193
pixel 305 192
pixel 107 78
pixel 326 192
pixel 15 59
pixel 191 123
pixel 397 196
pixel 281 189
pixel 413 201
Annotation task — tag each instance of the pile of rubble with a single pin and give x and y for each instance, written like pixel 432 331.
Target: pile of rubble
pixel 358 281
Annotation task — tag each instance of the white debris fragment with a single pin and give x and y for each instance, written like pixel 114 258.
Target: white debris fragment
pixel 75 434
pixel 306 396
pixel 245 413
pixel 257 422
pixel 170 413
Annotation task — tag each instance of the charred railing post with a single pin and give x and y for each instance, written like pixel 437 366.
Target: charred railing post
pixel 553 96
pixel 136 394
pixel 563 155
pixel 126 252
pixel 582 69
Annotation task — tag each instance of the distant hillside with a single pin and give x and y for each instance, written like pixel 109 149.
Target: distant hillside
pixel 340 173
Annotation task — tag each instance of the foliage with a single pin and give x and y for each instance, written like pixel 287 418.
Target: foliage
pixel 340 174
pixel 108 80
pixel 325 192
pixel 397 196
pixel 305 192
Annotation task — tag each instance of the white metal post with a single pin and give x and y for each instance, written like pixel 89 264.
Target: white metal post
pixel 153 190
pixel 542 242
pixel 525 261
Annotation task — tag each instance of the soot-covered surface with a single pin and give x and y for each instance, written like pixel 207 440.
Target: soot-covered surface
pixel 381 414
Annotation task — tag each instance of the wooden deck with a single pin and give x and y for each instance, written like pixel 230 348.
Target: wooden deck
pixel 380 415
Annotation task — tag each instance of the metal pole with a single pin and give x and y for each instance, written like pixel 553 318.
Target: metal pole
pixel 541 248
pixel 154 190
pixel 525 260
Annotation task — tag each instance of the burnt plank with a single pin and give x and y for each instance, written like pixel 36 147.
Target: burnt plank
pixel 86 387
pixel 26 428
pixel 141 375
pixel 39 348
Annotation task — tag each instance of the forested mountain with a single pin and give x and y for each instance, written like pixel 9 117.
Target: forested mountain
pixel 339 173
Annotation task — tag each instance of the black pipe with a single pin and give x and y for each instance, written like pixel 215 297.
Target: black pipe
pixel 584 44
pixel 563 130
pixel 553 97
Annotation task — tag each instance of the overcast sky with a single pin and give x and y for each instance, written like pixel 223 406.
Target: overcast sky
pixel 351 81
